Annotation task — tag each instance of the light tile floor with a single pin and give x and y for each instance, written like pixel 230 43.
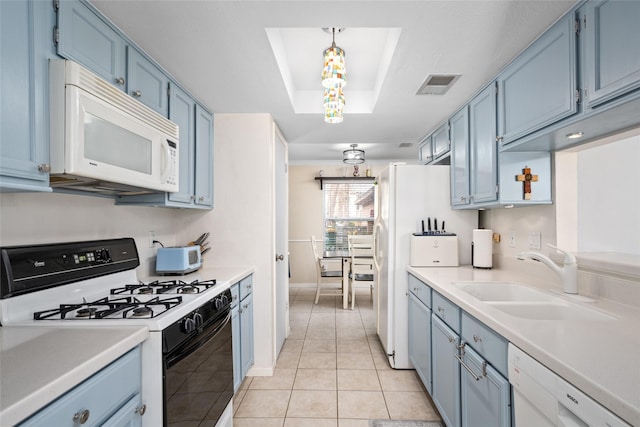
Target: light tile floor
pixel 331 372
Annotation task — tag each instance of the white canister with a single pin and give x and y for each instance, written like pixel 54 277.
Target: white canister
pixel 482 248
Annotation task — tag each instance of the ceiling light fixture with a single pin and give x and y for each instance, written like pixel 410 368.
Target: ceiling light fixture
pixel 353 156
pixel 333 80
pixel 333 105
pixel 575 135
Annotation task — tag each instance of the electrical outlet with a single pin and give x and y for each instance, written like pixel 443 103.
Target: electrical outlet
pixel 152 238
pixel 512 239
pixel 535 240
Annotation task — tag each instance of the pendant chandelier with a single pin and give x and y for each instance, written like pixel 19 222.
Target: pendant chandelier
pixel 333 80
pixel 353 156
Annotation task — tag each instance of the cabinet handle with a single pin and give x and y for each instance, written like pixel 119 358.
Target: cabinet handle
pixel 201 199
pixel 141 409
pixel 81 417
pixel 44 167
pixel 137 94
pixel 440 309
pixel 473 374
pixel 499 138
pixel 477 338
pixel 120 81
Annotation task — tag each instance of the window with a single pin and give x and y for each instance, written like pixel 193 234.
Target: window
pixel 349 208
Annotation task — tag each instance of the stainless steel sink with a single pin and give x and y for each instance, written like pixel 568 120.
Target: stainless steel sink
pixel 527 303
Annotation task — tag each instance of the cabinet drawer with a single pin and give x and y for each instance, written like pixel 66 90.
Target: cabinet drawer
pixel 486 342
pixel 101 395
pixel 246 286
pixel 235 294
pixel 447 311
pixel 420 289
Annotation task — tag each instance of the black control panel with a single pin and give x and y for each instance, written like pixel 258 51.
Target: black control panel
pixel 31 268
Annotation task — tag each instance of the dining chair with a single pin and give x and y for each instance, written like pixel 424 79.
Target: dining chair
pixel 363 269
pixel 324 276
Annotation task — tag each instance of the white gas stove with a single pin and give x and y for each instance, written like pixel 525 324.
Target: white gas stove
pixel 94 284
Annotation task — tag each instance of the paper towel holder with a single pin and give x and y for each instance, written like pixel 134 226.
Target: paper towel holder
pixel 482 243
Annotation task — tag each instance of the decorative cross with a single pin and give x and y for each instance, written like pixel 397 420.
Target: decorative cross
pixel 526 179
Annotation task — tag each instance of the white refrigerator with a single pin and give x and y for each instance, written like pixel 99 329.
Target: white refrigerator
pixel 408 195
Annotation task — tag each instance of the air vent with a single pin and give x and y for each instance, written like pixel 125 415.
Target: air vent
pixel 437 84
pixel 405 145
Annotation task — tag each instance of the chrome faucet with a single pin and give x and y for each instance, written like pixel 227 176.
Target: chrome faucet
pixel 568 273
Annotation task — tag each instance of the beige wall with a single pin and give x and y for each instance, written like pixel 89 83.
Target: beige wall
pixel 305 214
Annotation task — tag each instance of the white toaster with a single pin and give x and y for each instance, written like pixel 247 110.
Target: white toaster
pixel 434 250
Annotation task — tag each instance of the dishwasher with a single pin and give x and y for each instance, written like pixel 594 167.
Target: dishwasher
pixel 543 399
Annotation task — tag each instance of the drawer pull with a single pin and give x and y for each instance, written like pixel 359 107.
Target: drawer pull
pixel 81 417
pixel 141 409
pixel 440 309
pixel 477 338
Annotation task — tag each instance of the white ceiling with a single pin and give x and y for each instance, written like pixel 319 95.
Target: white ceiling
pixel 266 57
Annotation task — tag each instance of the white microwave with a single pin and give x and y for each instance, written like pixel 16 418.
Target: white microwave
pixel 103 140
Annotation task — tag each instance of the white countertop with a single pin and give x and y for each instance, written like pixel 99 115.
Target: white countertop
pixel 600 357
pixel 39 364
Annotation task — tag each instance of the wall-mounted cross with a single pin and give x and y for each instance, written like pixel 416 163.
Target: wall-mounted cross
pixel 526 178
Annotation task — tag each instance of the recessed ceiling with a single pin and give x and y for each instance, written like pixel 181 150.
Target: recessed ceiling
pixel 368 53
pixel 266 57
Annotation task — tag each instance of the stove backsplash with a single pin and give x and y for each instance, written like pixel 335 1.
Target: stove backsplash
pixel 27 218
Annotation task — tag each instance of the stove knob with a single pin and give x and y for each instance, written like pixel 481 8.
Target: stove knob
pixel 218 303
pixel 225 300
pixel 198 319
pixel 189 325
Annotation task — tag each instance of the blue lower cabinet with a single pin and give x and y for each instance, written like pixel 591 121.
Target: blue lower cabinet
pixel 420 339
pixel 486 396
pixel 246 326
pixel 242 327
pixel 110 398
pixel 446 372
pixel 235 327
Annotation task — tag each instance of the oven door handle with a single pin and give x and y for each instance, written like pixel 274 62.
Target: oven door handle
pixel 182 352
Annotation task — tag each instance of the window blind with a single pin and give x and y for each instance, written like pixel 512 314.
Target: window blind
pixel 349 208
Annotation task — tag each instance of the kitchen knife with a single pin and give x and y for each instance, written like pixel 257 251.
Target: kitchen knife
pixel 443 226
pixel 435 224
pixel 429 223
pixel 204 251
pixel 423 226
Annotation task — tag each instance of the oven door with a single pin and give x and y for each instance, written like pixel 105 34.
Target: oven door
pixel 198 376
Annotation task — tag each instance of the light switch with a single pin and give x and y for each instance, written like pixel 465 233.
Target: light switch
pixel 535 240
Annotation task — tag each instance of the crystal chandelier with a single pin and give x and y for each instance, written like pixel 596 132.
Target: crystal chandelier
pixel 333 80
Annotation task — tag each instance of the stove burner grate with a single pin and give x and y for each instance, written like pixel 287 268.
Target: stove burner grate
pixel 165 287
pixel 107 308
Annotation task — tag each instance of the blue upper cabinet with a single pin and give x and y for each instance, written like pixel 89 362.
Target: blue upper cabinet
pixel 612 49
pixel 426 150
pixel 146 82
pixel 182 113
pixel 87 39
pixel 204 158
pixel 483 153
pixel 440 139
pixel 459 134
pixel 26 45
pixel 539 87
